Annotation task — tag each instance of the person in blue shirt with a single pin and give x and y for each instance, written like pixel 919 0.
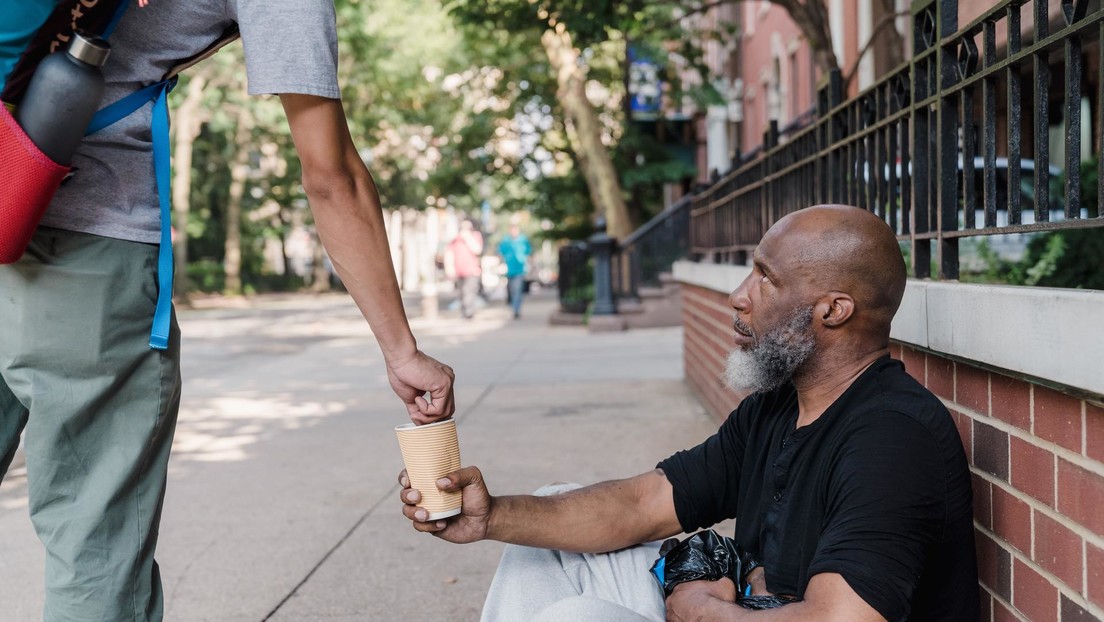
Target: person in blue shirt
pixel 515 250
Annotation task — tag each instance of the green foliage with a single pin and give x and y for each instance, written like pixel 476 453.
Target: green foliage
pixel 1072 258
pixel 451 102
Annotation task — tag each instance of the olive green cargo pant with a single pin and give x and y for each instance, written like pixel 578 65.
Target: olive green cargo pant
pixel 98 408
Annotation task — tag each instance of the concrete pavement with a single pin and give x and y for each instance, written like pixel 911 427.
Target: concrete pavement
pixel 282 502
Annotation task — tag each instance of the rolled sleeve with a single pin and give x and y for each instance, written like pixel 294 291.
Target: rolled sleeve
pixel 290 46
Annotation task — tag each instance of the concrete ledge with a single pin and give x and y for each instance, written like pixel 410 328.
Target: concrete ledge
pixel 1048 333
pixel 717 277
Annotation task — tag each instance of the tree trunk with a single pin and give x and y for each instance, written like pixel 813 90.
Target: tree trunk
pixel 187 120
pixel 239 171
pixel 585 132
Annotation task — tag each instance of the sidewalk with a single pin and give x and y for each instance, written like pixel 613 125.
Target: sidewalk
pixel 282 501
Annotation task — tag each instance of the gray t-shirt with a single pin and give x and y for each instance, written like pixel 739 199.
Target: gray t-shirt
pixel 290 47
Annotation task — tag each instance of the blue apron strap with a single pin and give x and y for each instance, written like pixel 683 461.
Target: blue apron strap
pixel 123 4
pixel 159 335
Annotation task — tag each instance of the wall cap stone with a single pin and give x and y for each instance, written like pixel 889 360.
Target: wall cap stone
pixel 1049 333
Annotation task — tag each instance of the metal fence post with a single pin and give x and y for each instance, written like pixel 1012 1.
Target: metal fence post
pixel 601 247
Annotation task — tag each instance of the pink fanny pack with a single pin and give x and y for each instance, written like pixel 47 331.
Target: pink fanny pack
pixel 28 181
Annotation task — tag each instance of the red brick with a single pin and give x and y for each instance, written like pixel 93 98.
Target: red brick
pixel 914 364
pixel 1081 495
pixel 1094 432
pixel 1002 613
pixel 1033 595
pixel 965 425
pixel 972 388
pixel 1033 470
pixel 994 565
pixel 1011 400
pixel 1058 550
pixel 983 501
pixel 941 376
pixel 895 351
pixel 991 450
pixel 1094 561
pixel 1072 612
pixel 1058 418
pixel 1012 520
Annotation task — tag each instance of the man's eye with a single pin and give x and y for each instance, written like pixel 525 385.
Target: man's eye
pixel 764 279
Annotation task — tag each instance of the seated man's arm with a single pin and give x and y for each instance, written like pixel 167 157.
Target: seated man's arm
pixel 828 598
pixel 346 208
pixel 604 517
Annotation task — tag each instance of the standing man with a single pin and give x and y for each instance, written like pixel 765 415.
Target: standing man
pixel 515 251
pixel 98 406
pixel 846 478
pixel 463 263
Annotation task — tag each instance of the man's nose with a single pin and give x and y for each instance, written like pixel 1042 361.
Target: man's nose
pixel 738 299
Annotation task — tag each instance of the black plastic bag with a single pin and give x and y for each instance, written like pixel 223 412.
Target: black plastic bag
pixel 706 556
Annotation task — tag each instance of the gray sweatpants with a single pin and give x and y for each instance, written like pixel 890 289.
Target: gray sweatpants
pixel 554 586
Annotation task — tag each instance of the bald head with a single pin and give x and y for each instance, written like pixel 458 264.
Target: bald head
pixel 845 249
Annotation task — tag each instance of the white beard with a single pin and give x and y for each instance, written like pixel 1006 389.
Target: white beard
pixel 741 373
pixel 774 358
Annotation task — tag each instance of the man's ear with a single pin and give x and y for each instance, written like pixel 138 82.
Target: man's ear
pixel 834 309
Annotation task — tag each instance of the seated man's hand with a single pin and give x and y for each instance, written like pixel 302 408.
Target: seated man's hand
pixel 701 600
pixel 757 579
pixel 468 526
pixel 412 378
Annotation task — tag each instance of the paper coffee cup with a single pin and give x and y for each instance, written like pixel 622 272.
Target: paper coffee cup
pixel 430 452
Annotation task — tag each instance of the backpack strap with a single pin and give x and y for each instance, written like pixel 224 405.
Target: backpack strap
pixel 159 128
pixel 162 315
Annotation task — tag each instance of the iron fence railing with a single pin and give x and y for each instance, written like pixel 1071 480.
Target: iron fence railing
pixel 651 250
pixel 576 277
pixel 955 143
pixel 637 261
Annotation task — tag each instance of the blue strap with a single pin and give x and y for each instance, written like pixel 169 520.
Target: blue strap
pixel 159 335
pixel 158 93
pixel 120 109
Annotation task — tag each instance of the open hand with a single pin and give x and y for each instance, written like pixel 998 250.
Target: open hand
pixel 417 376
pixel 470 525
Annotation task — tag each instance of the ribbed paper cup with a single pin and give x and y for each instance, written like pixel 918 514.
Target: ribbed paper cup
pixel 429 452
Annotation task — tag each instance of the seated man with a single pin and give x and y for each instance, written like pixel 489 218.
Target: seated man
pixel 846 478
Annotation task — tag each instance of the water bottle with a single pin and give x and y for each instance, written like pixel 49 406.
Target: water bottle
pixel 63 94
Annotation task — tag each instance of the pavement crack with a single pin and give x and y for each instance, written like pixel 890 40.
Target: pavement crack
pixel 394 489
pixel 392 492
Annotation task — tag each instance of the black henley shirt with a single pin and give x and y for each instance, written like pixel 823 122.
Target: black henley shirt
pixel 877 490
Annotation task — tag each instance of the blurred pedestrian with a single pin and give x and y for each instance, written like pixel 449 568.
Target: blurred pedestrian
pixel 515 250
pixel 462 264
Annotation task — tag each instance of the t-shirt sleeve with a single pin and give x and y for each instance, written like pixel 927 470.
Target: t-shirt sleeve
pixel 706 478
pixel 290 46
pixel 885 507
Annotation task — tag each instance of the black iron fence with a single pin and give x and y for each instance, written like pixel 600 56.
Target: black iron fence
pixel 650 251
pixel 958 142
pixel 576 277
pixel 636 261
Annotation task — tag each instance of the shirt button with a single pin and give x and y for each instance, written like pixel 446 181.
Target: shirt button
pixel 778 495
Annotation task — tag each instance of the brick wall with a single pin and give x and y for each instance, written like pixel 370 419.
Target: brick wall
pixel 1037 457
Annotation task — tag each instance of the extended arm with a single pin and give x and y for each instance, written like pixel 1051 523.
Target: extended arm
pixel 599 518
pixel 347 212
